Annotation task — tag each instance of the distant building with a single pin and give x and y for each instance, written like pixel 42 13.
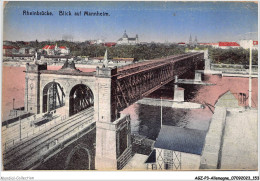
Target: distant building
pixel 9 50
pixel 247 43
pixel 227 45
pixel 110 44
pixel 55 50
pixel 223 45
pixel 195 41
pixel 27 50
pixel 125 40
pixel 190 40
pixel 182 43
pixel 63 50
pixel 208 44
pixel 49 49
pixel 96 42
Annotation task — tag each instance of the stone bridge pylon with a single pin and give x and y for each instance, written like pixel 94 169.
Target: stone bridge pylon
pixel 113 139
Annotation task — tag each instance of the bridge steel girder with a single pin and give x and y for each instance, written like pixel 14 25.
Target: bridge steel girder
pixel 136 82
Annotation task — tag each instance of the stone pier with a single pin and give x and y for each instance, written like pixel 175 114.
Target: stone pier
pixel 113 144
pixel 113 137
pixel 197 76
pixel 178 94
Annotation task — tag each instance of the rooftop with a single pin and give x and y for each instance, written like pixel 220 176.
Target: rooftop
pixel 229 44
pixel 181 139
pixel 63 47
pixel 152 157
pixel 9 47
pixel 49 47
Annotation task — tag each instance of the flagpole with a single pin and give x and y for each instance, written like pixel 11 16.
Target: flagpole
pixel 161 108
pixel 250 76
pixel 161 111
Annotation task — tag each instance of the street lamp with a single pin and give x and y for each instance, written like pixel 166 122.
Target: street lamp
pixel 20 128
pixel 13 103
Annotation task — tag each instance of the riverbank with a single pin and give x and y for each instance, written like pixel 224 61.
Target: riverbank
pixel 240 141
pixel 231 142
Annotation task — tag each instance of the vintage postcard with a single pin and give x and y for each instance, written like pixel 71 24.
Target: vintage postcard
pixel 130 86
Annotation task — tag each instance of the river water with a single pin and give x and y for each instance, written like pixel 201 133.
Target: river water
pixel 145 119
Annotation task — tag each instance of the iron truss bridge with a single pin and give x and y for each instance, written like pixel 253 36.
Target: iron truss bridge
pixel 135 81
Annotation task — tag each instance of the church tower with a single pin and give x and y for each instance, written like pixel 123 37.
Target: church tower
pixel 195 41
pixel 190 40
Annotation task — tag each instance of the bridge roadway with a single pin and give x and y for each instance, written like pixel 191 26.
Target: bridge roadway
pixel 31 152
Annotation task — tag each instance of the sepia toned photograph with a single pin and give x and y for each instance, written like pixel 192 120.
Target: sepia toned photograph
pixel 130 86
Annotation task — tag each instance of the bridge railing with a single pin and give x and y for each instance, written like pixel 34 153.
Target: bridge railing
pixel 141 66
pixel 48 148
pixel 142 63
pixel 236 67
pixel 9 143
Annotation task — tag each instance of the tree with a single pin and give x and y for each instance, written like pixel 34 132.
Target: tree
pixel 232 56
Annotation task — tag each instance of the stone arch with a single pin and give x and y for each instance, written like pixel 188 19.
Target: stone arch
pixel 45 81
pixel 73 157
pixel 53 96
pixel 80 97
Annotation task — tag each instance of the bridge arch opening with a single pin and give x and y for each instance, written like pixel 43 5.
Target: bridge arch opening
pixel 53 97
pixel 78 159
pixel 81 97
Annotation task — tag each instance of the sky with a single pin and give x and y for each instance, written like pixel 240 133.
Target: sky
pixel 152 21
